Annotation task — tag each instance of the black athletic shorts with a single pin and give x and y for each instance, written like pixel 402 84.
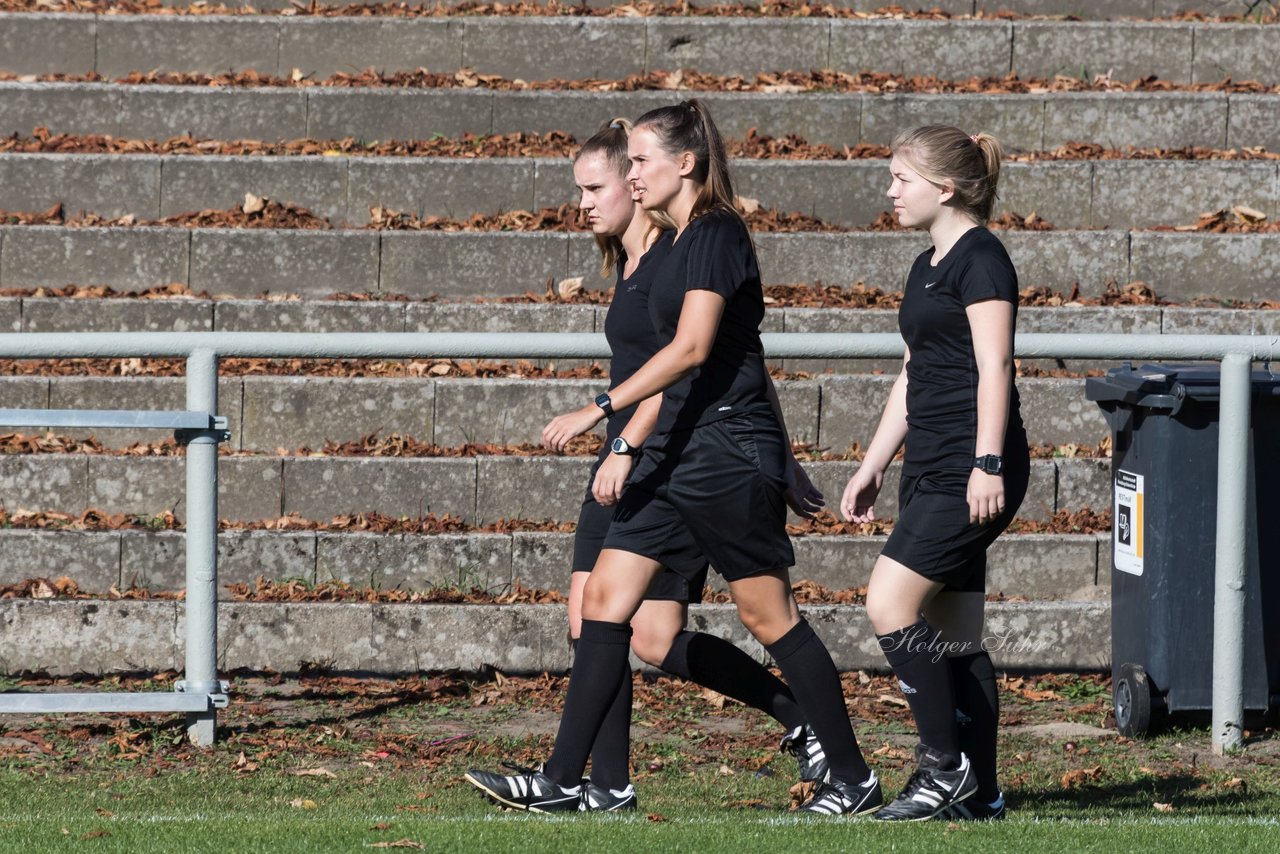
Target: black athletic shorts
pixel 593 525
pixel 933 536
pixel 722 482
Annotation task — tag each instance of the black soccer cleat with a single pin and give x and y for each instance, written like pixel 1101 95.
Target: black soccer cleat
pixel 599 799
pixel 931 789
pixel 852 799
pixel 975 810
pixel 528 789
pixel 804 746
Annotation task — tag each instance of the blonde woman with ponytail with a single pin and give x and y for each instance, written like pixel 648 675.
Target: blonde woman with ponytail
pixel 964 472
pixel 634 243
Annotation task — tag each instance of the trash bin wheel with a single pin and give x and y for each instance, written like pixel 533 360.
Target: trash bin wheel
pixel 1132 698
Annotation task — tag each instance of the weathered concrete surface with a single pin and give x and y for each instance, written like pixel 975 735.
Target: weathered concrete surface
pixel 90 559
pixel 413 562
pixel 107 186
pixel 247 262
pixel 308 316
pixel 116 315
pixel 123 258
pixel 205 44
pixel 248 487
pixel 296 412
pixel 47 44
pixel 1127 50
pixel 157 560
pixel 325 46
pixel 289 636
pixel 518 638
pixel 66 637
pixel 321 488
pixel 1182 266
pixel 221 183
pixel 530 487
pixel 505 411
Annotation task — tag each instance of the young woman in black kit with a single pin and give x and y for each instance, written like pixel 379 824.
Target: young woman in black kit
pixel 964 471
pixel 718 464
pixel 633 242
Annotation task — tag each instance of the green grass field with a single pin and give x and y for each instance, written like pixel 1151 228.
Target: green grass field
pixel 331 764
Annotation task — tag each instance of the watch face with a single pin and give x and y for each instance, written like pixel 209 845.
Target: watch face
pixel 620 446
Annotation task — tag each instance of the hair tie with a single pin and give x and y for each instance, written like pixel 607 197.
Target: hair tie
pixel 973 139
pixel 615 126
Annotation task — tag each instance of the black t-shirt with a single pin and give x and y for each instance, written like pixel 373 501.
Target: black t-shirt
pixel 714 254
pixel 628 328
pixel 942 375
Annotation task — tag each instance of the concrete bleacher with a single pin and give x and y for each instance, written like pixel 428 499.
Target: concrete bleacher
pixel 1110 217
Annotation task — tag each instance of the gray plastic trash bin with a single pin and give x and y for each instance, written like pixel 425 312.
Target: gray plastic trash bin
pixel 1164 423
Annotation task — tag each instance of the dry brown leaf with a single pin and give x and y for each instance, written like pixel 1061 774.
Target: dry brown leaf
pixel 303 804
pixel 253 204
pixel 399 843
pixel 569 288
pixel 315 772
pixel 1163 807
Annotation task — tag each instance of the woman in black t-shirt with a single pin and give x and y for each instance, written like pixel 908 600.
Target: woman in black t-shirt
pixel 633 245
pixel 964 471
pixel 718 465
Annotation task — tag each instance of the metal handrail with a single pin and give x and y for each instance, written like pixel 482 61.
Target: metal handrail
pixel 202 350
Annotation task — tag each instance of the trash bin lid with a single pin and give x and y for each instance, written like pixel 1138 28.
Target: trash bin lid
pixel 1166 386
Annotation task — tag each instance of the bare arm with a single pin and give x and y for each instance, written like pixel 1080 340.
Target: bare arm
pixel 612 475
pixel 689 349
pixel 858 502
pixel 991 325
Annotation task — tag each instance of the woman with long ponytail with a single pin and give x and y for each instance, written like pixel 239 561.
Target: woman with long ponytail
pixel 634 244
pixel 718 463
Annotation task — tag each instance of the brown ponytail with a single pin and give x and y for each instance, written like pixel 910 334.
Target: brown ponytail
pixel 942 154
pixel 688 126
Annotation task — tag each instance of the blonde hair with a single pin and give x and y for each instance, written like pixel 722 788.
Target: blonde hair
pixel 611 143
pixel 943 154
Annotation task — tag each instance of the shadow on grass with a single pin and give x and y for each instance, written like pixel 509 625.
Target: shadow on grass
pixel 1186 792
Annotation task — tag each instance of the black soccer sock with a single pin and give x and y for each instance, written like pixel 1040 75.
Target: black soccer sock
pixel 925 678
pixel 812 675
pixel 611 754
pixel 979 702
pixel 719 665
pixel 593 688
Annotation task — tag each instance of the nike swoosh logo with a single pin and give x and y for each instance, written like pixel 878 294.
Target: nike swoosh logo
pixel 929 285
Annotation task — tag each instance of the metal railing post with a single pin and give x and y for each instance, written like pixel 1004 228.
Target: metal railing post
pixel 1229 558
pixel 202 548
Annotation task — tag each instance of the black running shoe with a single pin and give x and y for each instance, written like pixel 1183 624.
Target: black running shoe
pixel 975 810
pixel 931 789
pixel 599 799
pixel 812 759
pixel 836 798
pixel 528 789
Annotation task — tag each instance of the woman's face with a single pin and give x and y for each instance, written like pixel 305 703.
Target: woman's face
pixel 655 174
pixel 916 201
pixel 605 196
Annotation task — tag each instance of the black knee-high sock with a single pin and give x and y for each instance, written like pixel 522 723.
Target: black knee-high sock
pixel 719 665
pixel 925 678
pixel 979 702
pixel 593 687
pixel 812 675
pixel 611 754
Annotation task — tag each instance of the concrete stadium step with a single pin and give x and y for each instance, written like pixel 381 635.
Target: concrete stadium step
pixel 269 412
pixel 195 314
pixel 1069 194
pixel 1026 566
pixel 1031 122
pixel 540 48
pixel 250 262
pixel 478 490
pixel 66 637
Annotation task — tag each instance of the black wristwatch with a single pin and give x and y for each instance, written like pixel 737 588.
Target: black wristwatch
pixel 604 402
pixel 623 448
pixel 989 463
